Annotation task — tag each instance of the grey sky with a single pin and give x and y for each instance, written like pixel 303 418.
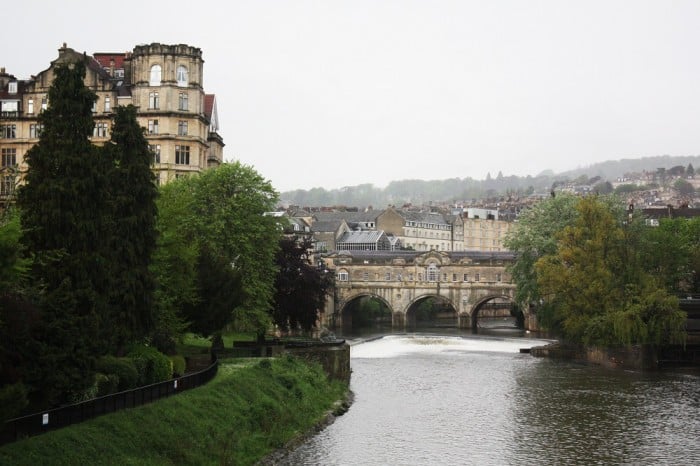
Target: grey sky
pixel 338 93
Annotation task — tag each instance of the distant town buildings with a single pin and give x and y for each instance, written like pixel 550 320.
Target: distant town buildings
pixel 164 82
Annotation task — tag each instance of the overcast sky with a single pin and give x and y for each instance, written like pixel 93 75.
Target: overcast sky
pixel 338 93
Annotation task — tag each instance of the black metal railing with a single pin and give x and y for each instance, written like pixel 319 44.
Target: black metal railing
pixel 38 423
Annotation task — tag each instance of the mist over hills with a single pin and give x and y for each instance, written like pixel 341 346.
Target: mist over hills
pixel 455 190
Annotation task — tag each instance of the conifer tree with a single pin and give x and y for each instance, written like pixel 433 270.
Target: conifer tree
pixel 63 208
pixel 133 208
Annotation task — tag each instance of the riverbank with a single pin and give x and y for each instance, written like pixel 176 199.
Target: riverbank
pixel 250 409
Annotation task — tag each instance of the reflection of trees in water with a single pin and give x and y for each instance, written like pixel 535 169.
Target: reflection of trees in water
pixel 432 311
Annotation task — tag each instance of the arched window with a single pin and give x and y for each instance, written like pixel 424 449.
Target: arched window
pixel 155 76
pixel 182 80
pixel 433 273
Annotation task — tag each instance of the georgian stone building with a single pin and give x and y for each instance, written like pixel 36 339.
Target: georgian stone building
pixel 165 83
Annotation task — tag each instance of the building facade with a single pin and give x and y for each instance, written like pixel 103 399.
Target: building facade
pixel 164 82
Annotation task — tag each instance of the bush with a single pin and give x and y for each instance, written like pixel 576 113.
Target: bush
pixel 123 368
pixel 152 365
pixel 179 365
pixel 13 399
pixel 106 384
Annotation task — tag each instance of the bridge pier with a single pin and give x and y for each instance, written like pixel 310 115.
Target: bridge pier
pixel 398 320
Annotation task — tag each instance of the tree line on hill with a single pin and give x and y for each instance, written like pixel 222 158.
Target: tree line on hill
pixel 102 272
pixel 457 190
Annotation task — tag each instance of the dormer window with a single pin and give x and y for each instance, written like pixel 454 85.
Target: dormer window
pixel 12 87
pixel 155 76
pixel 182 79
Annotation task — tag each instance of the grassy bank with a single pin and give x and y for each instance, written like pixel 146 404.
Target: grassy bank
pixel 247 411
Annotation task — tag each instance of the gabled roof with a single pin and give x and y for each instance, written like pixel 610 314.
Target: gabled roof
pixel 208 105
pixel 361 237
pixel 105 59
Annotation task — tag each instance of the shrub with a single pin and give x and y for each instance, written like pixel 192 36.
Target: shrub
pixel 106 384
pixel 152 365
pixel 179 365
pixel 13 399
pixel 123 368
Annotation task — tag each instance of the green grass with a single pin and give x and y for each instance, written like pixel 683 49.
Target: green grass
pixel 250 408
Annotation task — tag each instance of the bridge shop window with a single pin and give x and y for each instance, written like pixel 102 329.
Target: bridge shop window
pixel 476 277
pixel 387 276
pixel 454 277
pixel 365 276
pixel 433 273
pixel 343 276
pixel 466 277
pixel 498 277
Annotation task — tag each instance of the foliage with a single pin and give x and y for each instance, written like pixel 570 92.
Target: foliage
pixel 133 231
pixel 245 413
pixel 122 367
pixel 179 365
pixel 13 265
pixel 596 289
pixel 301 287
pixel 533 237
pixel 13 399
pixel 683 187
pixel 63 215
pixel 151 365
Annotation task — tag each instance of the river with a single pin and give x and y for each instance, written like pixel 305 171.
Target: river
pixel 476 400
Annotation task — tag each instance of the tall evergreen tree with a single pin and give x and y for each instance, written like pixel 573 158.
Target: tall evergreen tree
pixel 133 207
pixel 63 208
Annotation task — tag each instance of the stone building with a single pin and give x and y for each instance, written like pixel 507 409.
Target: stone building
pixel 165 83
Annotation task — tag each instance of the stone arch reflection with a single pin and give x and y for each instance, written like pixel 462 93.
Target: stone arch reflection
pixel 496 313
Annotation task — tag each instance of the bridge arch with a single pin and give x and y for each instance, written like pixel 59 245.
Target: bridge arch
pixel 357 311
pixel 432 309
pixel 482 302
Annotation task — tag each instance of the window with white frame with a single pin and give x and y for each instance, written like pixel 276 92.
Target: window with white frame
pixel 9 157
pixel 12 87
pixel 182 128
pixel 182 76
pixel 155 76
pixel 30 106
pixel 182 155
pixel 153 100
pixel 155 150
pixel 343 276
pixel 152 126
pixel 108 104
pixel 44 103
pixel 183 103
pixel 35 130
pixel 100 130
pixel 433 273
pixel 8 131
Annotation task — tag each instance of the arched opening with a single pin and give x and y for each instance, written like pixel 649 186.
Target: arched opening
pixel 431 312
pixel 155 77
pixel 365 314
pixel 496 314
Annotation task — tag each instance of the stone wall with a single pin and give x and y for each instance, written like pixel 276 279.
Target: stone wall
pixel 630 357
pixel 333 357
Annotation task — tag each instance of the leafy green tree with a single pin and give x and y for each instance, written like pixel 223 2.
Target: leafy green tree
pixel 133 232
pixel 62 204
pixel 595 286
pixel 683 187
pixel 534 236
pixel 301 287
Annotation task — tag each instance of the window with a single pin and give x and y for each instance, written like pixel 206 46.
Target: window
pixel 155 150
pixel 100 130
pixel 155 76
pixel 183 101
pixel 343 276
pixel 12 87
pixel 454 277
pixel 182 155
pixel 7 185
pixel 433 273
pixel 476 277
pixel 152 126
pixel 153 100
pixel 8 131
pixel 182 128
pixel 35 130
pixel 44 103
pixel 30 106
pixel 119 73
pixel 108 104
pixel 466 277
pixel 9 157
pixel 182 76
pixel 387 276
pixel 94 107
pixel 498 277
pixel 365 276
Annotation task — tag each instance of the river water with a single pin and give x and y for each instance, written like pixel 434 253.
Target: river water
pixel 476 400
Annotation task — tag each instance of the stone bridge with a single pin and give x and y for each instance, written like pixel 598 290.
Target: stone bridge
pixel 463 280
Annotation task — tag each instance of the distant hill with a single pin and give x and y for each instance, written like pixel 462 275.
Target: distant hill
pixel 455 190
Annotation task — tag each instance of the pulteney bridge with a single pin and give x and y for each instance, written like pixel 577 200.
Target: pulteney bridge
pixel 465 281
